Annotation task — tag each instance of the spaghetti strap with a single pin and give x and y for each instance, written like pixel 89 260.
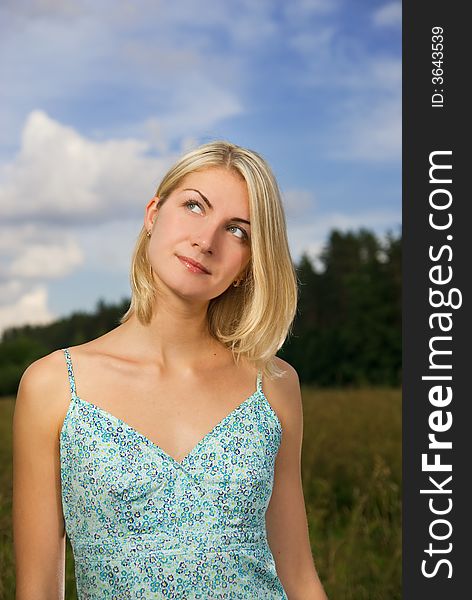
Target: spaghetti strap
pixel 259 381
pixel 70 371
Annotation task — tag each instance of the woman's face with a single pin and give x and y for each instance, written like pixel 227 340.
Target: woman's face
pixel 204 220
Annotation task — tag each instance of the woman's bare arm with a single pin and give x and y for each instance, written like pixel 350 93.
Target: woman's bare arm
pixel 38 524
pixel 287 528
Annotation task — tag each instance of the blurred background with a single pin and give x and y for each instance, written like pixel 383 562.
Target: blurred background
pixel 98 99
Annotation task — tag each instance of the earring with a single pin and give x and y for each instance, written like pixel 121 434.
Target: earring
pixel 237 282
pixel 149 234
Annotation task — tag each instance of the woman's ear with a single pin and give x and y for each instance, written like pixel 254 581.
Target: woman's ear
pixel 151 212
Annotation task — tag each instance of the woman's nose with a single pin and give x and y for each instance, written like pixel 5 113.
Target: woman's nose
pixel 204 238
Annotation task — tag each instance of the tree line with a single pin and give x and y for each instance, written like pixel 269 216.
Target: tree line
pixel 347 331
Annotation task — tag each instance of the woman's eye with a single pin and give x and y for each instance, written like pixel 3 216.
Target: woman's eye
pixel 190 204
pixel 240 233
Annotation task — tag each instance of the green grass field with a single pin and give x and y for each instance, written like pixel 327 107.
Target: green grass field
pixel 351 467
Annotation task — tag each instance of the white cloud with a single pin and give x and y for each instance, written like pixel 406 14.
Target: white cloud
pixel 109 246
pixel 61 177
pixel 54 197
pixel 388 15
pixel 40 261
pixel 29 308
pixel 11 290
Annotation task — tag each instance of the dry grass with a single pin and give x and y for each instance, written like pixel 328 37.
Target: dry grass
pixel 351 468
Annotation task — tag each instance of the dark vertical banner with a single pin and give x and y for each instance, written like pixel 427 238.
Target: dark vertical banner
pixel 437 359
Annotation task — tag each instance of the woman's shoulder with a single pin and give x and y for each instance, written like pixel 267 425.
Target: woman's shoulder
pixel 284 392
pixel 288 379
pixel 49 373
pixel 43 392
pixel 44 371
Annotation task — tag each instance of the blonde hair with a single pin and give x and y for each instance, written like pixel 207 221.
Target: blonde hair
pixel 254 319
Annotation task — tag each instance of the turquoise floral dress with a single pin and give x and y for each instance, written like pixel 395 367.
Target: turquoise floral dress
pixel 143 525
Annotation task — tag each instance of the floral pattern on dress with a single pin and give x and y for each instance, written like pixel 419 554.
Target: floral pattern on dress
pixel 143 525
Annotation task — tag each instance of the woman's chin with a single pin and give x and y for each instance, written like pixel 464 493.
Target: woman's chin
pixel 194 288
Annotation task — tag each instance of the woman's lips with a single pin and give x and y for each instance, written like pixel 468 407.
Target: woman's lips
pixel 193 265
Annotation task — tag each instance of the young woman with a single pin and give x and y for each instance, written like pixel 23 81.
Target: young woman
pixel 169 448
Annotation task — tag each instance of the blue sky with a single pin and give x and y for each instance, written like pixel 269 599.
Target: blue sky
pixel 98 99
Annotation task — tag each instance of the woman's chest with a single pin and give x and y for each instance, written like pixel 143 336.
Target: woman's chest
pixel 173 417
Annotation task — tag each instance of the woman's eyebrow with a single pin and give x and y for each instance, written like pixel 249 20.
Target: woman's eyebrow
pixel 210 205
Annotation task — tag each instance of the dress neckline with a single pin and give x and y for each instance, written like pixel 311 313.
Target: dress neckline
pixel 156 446
pixel 258 392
